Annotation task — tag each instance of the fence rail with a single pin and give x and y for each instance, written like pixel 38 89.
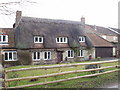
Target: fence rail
pixel 6 80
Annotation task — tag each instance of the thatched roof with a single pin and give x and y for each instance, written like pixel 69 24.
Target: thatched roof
pixel 49 29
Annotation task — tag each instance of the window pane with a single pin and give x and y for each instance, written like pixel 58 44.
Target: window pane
pixel 48 55
pixel 80 39
pixel 6 56
pixel 81 52
pixel 45 55
pixel 68 53
pixel 38 55
pixel 40 39
pixel 64 39
pixel 36 39
pixel 0 38
pixel 10 55
pixel 71 53
pixel 14 55
pixel 4 38
pixel 61 39
pixel 34 56
pixel 57 39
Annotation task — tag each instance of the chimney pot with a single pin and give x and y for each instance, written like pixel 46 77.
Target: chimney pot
pixel 83 20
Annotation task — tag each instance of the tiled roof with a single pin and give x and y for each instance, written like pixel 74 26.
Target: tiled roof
pixel 10 33
pixel 97 41
pixel 99 30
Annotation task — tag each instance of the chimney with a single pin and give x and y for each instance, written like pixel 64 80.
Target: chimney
pixel 18 17
pixel 95 28
pixel 83 20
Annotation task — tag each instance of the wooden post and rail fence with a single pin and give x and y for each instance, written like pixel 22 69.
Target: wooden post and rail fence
pixel 6 79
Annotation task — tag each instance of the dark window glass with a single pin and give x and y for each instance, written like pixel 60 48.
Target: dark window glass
pixel 4 38
pixel 38 55
pixel 10 55
pixel 79 39
pixel 45 56
pixel 61 39
pixel 0 38
pixel 64 39
pixel 36 39
pixel 40 39
pixel 71 53
pixel 6 56
pixel 48 55
pixel 68 53
pixel 34 55
pixel 81 52
pixel 57 39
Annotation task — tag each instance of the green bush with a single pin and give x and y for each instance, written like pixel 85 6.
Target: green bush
pixel 94 66
pixel 24 57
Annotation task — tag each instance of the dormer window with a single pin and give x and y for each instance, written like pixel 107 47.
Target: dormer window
pixel 38 39
pixel 61 40
pixel 3 38
pixel 81 39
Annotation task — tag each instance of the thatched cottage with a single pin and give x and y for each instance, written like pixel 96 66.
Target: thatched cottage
pixel 45 41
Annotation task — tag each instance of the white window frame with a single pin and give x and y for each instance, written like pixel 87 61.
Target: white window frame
pixel 36 56
pixel 71 52
pixel 114 38
pixel 81 39
pixel 6 37
pixel 104 36
pixel 48 53
pixel 81 53
pixel 38 37
pixel 64 40
pixel 12 55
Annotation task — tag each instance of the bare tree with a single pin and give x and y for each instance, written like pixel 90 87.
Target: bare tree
pixel 5 7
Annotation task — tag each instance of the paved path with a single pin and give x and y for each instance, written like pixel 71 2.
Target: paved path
pixel 112 85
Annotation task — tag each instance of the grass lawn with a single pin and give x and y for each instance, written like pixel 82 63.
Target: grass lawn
pixel 79 83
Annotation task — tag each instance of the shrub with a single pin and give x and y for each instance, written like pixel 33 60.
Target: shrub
pixel 93 67
pixel 24 57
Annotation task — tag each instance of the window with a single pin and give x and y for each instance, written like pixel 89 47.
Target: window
pixel 114 38
pixel 70 54
pixel 81 53
pixel 81 39
pixel 36 55
pixel 61 40
pixel 47 55
pixel 38 39
pixel 10 55
pixel 103 36
pixel 3 38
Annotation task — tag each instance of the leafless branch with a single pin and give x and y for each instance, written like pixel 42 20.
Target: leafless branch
pixel 5 7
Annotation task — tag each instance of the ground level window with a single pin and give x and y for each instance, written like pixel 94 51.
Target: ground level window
pixel 10 55
pixel 36 55
pixel 81 53
pixel 47 55
pixel 70 54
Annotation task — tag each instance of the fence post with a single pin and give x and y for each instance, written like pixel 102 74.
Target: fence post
pixel 5 78
pixel 45 77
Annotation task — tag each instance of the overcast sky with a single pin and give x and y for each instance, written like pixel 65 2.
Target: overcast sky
pixel 96 12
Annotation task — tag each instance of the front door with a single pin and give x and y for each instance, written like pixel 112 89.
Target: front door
pixel 59 56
